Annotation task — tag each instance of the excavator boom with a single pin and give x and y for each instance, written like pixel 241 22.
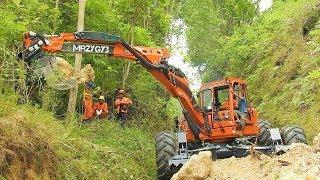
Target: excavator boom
pixel 87 42
pixel 153 59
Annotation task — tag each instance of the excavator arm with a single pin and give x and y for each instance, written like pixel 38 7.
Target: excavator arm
pixel 153 59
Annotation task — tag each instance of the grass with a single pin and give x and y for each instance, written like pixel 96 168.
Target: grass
pixel 35 145
pixel 290 96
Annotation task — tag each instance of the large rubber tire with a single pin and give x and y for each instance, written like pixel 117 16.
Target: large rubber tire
pixel 264 137
pixel 293 134
pixel 166 148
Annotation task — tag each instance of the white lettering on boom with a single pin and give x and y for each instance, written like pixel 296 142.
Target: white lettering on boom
pixel 90 48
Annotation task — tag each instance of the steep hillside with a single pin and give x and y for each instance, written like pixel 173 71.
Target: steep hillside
pixel 273 52
pixel 281 65
pixel 35 145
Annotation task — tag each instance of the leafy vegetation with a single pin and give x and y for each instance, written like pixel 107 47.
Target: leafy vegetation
pixel 99 150
pixel 209 24
pixel 140 22
pixel 280 64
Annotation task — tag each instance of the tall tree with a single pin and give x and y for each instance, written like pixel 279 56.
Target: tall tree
pixel 77 65
pixel 210 24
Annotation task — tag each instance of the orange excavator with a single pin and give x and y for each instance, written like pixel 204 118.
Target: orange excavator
pixel 214 124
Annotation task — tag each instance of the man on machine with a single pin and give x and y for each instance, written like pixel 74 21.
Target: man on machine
pixel 241 109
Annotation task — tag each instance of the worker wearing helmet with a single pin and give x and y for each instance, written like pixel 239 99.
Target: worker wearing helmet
pixel 101 108
pixel 121 105
pixel 88 105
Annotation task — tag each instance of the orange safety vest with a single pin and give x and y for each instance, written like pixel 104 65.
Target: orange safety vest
pixel 103 107
pixel 88 107
pixel 119 102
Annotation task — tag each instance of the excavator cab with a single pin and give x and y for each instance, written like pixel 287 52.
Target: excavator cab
pixel 220 102
pixel 219 99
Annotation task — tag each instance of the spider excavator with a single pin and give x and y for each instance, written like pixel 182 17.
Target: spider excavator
pixel 212 124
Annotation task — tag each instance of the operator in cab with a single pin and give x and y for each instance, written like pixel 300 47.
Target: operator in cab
pixel 101 108
pixel 241 109
pixel 121 105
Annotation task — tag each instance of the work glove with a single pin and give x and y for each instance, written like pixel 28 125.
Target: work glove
pixel 98 112
pixel 124 106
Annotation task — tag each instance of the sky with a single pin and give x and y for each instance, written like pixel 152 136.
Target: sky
pixel 265 4
pixel 179 46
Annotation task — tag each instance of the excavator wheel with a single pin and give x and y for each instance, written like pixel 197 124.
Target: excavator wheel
pixel 264 135
pixel 166 147
pixel 293 134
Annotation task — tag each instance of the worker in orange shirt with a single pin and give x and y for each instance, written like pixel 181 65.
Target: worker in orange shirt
pixel 101 108
pixel 88 106
pixel 121 105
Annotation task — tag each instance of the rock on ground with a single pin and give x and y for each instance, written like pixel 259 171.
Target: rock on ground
pixel 301 162
pixel 198 167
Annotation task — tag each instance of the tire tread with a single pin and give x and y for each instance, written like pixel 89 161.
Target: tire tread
pixel 293 134
pixel 264 137
pixel 166 147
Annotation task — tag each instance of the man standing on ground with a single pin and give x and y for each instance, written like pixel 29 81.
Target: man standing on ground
pixel 121 104
pixel 101 108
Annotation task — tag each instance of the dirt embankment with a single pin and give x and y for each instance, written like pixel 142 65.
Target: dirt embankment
pixel 24 152
pixel 301 162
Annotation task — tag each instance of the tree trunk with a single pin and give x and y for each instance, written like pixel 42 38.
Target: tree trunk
pixel 55 18
pixel 126 74
pixel 77 66
pixel 126 70
pixel 57 4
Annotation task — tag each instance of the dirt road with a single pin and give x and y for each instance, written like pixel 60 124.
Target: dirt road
pixel 301 162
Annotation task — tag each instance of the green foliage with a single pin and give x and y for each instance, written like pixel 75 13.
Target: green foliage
pixel 209 25
pixel 101 150
pixel 143 23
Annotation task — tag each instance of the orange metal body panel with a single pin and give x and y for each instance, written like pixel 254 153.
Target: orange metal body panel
pixel 222 82
pixel 154 55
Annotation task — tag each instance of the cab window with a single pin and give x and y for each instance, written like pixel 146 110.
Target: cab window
pixel 207 99
pixel 223 94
